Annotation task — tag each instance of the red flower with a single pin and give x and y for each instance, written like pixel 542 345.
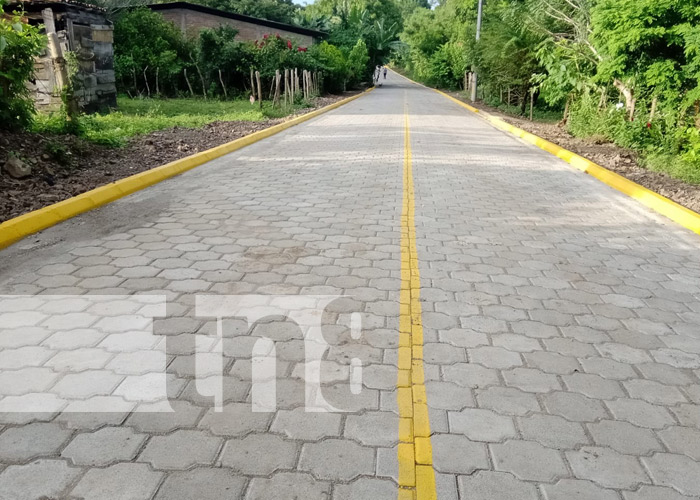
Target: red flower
pixel 265 36
pixel 302 49
pixel 278 36
pixel 289 45
pixel 648 125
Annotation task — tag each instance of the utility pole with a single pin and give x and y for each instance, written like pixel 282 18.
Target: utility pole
pixel 478 36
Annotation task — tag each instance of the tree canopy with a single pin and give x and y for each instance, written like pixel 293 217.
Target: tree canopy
pixel 580 57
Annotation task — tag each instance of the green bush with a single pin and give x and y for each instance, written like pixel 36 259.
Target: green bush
pixel 334 65
pixel 151 54
pixel 148 47
pixel 358 70
pixel 19 44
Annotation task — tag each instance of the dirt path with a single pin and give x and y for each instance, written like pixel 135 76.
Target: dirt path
pixel 620 160
pixel 80 166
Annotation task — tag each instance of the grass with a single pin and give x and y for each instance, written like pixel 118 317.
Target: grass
pixel 538 114
pixel 141 116
pixel 678 167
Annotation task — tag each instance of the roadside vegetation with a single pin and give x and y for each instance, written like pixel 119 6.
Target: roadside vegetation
pixel 142 116
pixel 19 43
pixel 179 95
pixel 626 71
pixel 167 79
pixel 623 71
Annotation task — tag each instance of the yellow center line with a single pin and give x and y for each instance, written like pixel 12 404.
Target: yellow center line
pixel 416 474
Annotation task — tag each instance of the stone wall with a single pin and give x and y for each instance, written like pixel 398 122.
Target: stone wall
pixel 191 22
pixel 87 41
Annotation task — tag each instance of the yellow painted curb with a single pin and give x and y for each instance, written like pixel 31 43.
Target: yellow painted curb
pixel 660 204
pixel 15 229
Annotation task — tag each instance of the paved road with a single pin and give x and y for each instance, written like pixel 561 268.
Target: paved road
pixel 560 326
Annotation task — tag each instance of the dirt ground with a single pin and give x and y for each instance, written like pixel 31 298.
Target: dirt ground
pixel 610 156
pixel 80 166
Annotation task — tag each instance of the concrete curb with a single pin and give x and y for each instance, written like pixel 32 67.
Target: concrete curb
pixel 658 203
pixel 17 228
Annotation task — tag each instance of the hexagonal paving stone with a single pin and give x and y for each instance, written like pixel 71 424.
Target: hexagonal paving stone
pixel 259 454
pixel 288 485
pixel 38 479
pixel 606 467
pixel 19 444
pixel 336 459
pixel 488 485
pixel 482 425
pixel 202 484
pixel 675 471
pixel 125 481
pixel 528 460
pixel 181 450
pixel 456 454
pixel 103 447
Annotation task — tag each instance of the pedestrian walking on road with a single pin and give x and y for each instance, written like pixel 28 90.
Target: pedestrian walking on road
pixel 377 75
pixel 385 70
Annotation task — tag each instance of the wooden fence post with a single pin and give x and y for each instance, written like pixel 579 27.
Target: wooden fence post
pixel 189 85
pixel 304 83
pixel 276 99
pixel 257 77
pixel 654 104
pixel 59 64
pixel 296 81
pixel 145 79
pixel 201 77
pixel 221 79
pixel 286 87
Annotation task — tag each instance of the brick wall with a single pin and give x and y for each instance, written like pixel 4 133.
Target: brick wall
pixel 191 22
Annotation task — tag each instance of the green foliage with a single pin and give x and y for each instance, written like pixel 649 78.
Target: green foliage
pixel 59 152
pixel 643 43
pixel 334 64
pixel 217 50
pixel 19 44
pixel 153 57
pixel 147 46
pixel 628 71
pixel 357 63
pixel 275 10
pixel 377 23
pixel 275 52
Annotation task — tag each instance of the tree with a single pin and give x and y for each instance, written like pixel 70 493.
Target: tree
pixel 642 51
pixel 377 22
pixel 357 63
pixel 582 57
pixel 149 48
pixel 19 44
pixel 334 64
pixel 275 10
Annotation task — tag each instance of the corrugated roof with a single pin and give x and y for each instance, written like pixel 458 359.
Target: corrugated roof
pixel 36 5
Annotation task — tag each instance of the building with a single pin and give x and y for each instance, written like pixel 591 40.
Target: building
pixel 191 18
pixel 85 33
